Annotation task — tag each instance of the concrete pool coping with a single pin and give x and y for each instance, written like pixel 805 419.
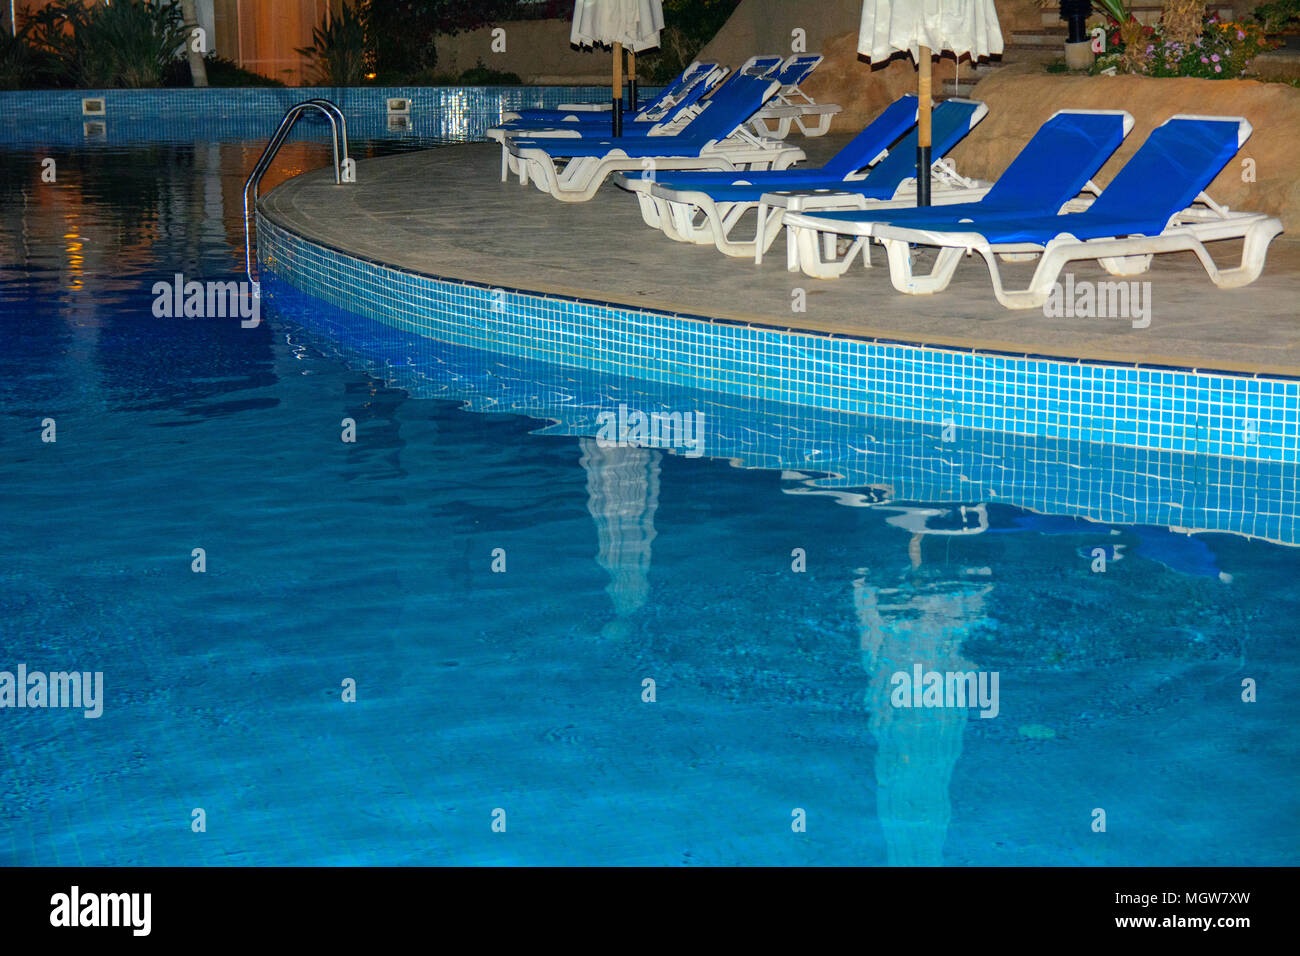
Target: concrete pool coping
pixel 445 213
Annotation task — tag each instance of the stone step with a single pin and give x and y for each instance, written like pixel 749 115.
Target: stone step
pixel 1148 13
pixel 1037 38
pixel 968 77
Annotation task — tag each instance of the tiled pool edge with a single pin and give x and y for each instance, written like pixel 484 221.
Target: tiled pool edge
pixel 1159 408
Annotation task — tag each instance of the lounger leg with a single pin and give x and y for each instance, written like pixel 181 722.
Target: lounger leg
pixel 811 245
pixel 762 247
pixel 668 222
pixel 821 128
pixel 1253 253
pixel 1125 265
pixel 905 280
pixel 677 224
pixel 700 224
pixel 769 222
pixel 724 222
pixel 649 209
pixel 581 179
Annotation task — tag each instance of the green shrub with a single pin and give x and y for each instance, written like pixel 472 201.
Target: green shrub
pixel 481 75
pixel 689 25
pixel 221 72
pixel 129 43
pixel 338 49
pixel 1277 16
pixel 19 62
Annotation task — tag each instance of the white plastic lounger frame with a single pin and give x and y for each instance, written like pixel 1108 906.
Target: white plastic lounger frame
pixel 820 259
pixel 578 179
pixel 688 215
pixel 1187 231
pixel 813 246
pixel 692 215
pixel 792 105
pixel 755 66
pixel 575 110
pixel 708 79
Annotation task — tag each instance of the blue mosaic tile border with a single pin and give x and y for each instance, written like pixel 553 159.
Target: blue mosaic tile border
pixel 448 113
pixel 837 454
pixel 1161 409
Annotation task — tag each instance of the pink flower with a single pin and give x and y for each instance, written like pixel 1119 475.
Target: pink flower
pixel 1240 35
pixel 1205 59
pixel 1215 58
pixel 1217 68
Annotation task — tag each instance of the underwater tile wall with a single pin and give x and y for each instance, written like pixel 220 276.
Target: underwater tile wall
pixel 1163 409
pixel 443 113
pixel 851 458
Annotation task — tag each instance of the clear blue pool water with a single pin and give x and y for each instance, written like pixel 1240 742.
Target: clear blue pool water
pixel 522 690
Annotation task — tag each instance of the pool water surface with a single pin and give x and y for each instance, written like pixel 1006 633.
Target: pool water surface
pixel 615 654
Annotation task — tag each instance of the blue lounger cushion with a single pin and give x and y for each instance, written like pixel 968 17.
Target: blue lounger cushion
pixel 896 119
pixel 1054 166
pixel 1176 164
pixel 599 124
pixel 740 98
pixel 950 122
pixel 692 75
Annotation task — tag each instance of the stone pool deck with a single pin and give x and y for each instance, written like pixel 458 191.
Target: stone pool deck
pixel 445 212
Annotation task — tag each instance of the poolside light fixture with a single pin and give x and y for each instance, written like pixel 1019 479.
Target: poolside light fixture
pixel 634 24
pixel 923 28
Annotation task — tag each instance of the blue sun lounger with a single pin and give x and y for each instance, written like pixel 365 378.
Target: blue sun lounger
pixel 683 107
pixel 1156 203
pixel 792 105
pixel 693 210
pixel 868 147
pixel 666 114
pixel 1053 168
pixel 573 169
pixel 652 111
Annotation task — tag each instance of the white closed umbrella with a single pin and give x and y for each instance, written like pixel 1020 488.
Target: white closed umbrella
pixel 634 24
pixel 923 28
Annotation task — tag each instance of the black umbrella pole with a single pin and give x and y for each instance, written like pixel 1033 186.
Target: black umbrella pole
pixel 616 91
pixel 631 80
pixel 923 175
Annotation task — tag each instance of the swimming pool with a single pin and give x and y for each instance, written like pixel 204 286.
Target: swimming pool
pixel 772 572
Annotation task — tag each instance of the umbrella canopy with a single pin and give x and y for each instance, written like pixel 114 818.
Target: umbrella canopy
pixel 634 24
pixel 923 27
pixel 961 26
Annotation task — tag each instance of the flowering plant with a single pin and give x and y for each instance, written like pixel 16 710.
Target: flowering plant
pixel 1221 51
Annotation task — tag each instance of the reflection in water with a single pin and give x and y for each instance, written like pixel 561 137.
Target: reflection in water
pixel 922 621
pixel 622 496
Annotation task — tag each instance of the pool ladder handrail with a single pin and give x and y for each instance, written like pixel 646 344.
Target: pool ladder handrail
pixel 344 171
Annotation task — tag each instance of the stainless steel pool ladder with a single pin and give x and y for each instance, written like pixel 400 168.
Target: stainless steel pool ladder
pixel 344 169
